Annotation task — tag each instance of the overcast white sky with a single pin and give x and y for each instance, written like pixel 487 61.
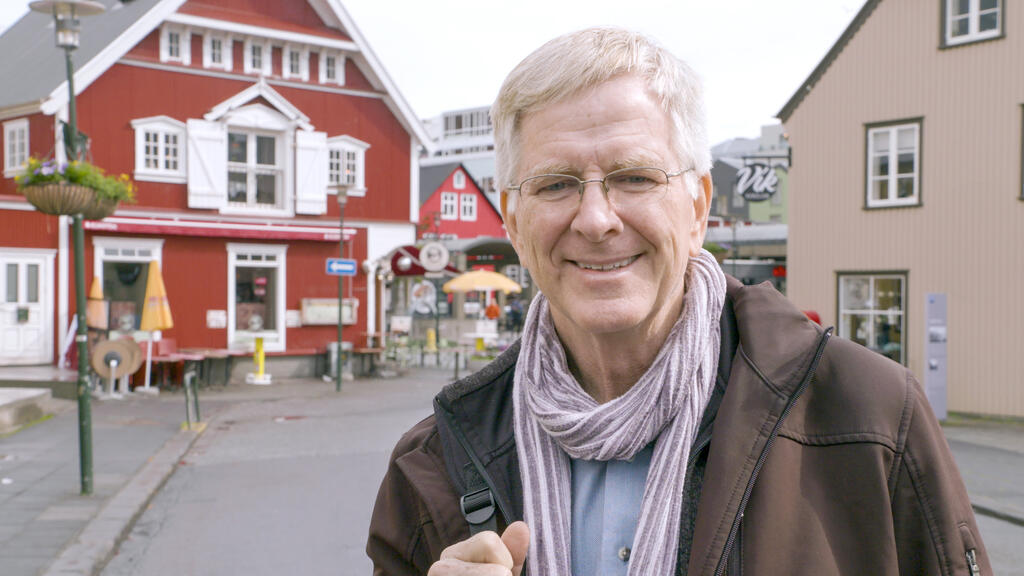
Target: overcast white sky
pixel 450 54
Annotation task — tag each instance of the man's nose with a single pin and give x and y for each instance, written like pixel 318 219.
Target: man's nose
pixel 596 216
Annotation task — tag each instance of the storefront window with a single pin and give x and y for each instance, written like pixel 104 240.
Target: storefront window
pixel 255 296
pixel 872 312
pixel 124 286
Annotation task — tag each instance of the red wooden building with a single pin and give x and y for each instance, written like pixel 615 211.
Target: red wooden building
pixel 452 206
pixel 235 118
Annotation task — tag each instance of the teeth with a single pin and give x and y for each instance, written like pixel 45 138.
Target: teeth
pixel 607 267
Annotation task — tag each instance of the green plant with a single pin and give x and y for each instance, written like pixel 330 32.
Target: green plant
pixel 39 172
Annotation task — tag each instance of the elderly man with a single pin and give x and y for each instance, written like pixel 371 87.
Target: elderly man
pixel 658 417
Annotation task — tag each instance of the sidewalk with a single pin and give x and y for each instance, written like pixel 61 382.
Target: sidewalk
pixel 46 526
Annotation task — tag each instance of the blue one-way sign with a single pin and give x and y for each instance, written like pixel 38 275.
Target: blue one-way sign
pixel 341 267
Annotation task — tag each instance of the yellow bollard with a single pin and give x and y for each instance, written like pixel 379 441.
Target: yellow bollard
pixel 431 340
pixel 480 346
pixel 259 357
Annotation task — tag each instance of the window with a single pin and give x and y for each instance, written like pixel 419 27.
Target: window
pixel 257 57
pixel 256 295
pixel 255 170
pixel 216 52
pixel 468 203
pixel 332 68
pixel 486 184
pixel 122 268
pixel 296 63
pixel 159 149
pixel 459 180
pixel 175 45
pixel 972 20
pixel 346 159
pixel 15 146
pixel 449 206
pixel 872 312
pixel 893 165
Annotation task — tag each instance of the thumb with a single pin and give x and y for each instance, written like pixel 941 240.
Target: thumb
pixel 517 539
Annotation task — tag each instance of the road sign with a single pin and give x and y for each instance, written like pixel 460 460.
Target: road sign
pixel 341 267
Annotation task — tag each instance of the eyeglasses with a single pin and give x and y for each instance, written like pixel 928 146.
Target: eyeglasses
pixel 624 188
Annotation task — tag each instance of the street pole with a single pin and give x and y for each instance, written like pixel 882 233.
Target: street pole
pixel 342 192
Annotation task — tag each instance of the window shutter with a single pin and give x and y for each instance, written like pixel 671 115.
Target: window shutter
pixel 207 164
pixel 310 172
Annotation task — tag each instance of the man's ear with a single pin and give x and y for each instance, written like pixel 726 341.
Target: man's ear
pixel 701 210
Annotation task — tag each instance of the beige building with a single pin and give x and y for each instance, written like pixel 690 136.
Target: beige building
pixel 906 180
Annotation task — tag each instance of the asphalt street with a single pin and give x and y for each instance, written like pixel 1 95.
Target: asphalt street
pixel 284 480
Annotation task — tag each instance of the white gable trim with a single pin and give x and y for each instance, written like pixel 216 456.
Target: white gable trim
pixel 394 99
pixel 260 89
pixel 89 71
pixel 272 33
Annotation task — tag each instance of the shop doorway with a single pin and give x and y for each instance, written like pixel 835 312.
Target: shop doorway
pixel 26 306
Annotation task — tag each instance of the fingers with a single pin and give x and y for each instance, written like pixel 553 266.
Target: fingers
pixel 454 567
pixel 484 548
pixel 517 540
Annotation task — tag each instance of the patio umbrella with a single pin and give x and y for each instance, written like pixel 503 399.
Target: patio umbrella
pixel 156 312
pixel 482 281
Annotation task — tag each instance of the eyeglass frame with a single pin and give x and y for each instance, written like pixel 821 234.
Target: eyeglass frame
pixel 581 188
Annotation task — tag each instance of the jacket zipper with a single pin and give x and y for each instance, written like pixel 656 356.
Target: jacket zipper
pixel 972 562
pixel 767 448
pixel 464 443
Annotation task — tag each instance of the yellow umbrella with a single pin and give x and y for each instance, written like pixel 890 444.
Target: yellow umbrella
pixel 482 281
pixel 156 311
pixel 96 307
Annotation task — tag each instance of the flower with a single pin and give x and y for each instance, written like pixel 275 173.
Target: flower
pixel 38 172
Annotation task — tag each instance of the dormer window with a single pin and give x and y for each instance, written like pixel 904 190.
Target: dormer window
pixel 257 57
pixel 972 20
pixel 332 68
pixel 296 63
pixel 175 45
pixel 217 52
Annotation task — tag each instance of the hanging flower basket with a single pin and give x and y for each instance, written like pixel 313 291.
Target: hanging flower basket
pixel 100 209
pixel 60 199
pixel 75 188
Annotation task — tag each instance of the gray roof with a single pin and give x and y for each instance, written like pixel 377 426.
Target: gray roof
pixel 431 178
pixel 31 56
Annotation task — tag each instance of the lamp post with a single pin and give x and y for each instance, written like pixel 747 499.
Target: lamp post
pixel 65 15
pixel 342 192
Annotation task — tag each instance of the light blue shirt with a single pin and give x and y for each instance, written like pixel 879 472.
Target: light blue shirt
pixel 606 500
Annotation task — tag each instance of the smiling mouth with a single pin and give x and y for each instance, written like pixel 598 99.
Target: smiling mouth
pixel 607 267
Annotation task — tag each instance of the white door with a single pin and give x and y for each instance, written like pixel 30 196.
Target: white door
pixel 26 307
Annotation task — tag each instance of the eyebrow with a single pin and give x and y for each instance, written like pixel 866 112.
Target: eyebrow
pixel 632 161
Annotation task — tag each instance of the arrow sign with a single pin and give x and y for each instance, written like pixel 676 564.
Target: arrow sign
pixel 341 267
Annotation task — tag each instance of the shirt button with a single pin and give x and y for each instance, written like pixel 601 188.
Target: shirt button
pixel 624 554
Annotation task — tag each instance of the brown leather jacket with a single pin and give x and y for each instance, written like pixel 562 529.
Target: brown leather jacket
pixel 824 458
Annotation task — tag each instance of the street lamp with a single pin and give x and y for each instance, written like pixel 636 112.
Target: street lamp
pixel 342 191
pixel 65 15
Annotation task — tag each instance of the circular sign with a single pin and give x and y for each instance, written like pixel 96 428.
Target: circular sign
pixel 423 297
pixel 434 256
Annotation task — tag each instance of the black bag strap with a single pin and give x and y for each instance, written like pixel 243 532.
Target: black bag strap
pixel 477 504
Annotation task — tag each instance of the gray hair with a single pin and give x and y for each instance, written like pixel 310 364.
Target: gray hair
pixel 579 60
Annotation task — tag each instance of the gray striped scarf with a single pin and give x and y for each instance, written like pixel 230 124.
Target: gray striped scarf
pixel 555 420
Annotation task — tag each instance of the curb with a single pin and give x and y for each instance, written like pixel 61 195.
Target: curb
pixel 991 508
pixel 89 553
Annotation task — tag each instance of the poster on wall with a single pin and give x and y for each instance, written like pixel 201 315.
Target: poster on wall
pixel 324 311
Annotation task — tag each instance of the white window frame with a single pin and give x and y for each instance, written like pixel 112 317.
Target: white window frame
pixel 339 67
pixel 337 149
pixel 974 13
pixel 467 207
pixel 449 206
pixel 165 128
pixel 871 313
pixel 893 177
pixel 273 340
pixel 286 66
pixel 226 51
pixel 16 136
pixel 184 44
pixel 267 63
pixel 142 250
pixel 251 169
pixel 459 180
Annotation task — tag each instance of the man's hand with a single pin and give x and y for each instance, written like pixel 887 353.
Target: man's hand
pixel 485 554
